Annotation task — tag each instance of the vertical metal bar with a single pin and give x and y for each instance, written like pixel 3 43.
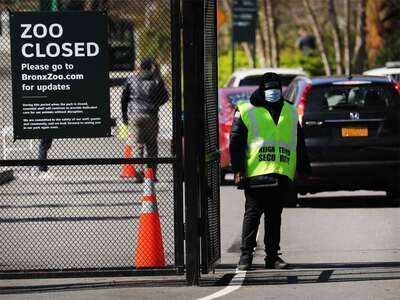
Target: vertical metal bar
pixel 193 119
pixel 177 132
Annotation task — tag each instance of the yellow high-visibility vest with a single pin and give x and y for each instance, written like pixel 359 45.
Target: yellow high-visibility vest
pixel 271 148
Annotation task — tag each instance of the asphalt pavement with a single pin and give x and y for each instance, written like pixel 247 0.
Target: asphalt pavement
pixel 340 246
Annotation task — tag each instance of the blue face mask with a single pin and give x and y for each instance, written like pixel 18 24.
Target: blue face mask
pixel 273 95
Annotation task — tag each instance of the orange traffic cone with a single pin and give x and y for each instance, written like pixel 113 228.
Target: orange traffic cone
pixel 150 249
pixel 128 170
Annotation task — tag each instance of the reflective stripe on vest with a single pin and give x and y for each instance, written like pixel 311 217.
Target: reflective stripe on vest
pixel 271 148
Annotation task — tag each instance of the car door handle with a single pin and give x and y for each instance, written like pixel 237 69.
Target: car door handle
pixel 314 123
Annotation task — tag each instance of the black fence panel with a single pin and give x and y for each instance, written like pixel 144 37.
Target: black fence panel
pixel 211 248
pixel 201 138
pixel 76 204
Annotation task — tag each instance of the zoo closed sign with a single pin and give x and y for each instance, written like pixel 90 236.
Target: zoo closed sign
pixel 59 65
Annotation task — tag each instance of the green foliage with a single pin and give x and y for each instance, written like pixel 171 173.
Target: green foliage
pixel 391 50
pixel 312 64
pixel 153 39
pixel 225 65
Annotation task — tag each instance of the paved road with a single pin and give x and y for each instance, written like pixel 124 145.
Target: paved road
pixel 329 227
pixel 340 245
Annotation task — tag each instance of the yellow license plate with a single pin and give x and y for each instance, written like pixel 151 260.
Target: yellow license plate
pixel 354 132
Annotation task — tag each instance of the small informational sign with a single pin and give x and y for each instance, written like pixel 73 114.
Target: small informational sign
pixel 244 20
pixel 59 64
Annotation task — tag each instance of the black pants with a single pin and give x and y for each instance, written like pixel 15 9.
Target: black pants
pixel 267 201
pixel 44 146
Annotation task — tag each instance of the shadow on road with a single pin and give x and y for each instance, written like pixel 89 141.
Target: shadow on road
pixel 315 273
pixel 349 202
pixel 225 275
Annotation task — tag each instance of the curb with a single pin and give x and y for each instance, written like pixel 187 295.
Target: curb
pixel 6 176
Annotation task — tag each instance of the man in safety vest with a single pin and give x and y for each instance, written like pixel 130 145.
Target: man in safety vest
pixel 267 150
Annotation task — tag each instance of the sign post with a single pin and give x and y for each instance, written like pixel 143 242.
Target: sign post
pixel 60 75
pixel 244 14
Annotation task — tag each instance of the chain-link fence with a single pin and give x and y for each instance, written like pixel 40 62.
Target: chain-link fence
pixel 79 203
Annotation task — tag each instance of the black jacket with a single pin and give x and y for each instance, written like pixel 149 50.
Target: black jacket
pixel 143 96
pixel 238 138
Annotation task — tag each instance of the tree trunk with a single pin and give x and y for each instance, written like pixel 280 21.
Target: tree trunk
pixel 318 34
pixel 382 27
pixel 360 54
pixel 347 56
pixel 249 54
pixel 267 36
pixel 260 48
pixel 227 7
pixel 270 15
pixel 336 37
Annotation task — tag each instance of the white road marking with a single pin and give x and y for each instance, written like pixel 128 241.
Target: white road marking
pixel 238 279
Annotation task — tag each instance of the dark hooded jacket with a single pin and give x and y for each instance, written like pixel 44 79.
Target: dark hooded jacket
pixel 143 95
pixel 238 140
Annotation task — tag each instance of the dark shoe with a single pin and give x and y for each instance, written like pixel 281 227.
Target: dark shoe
pixel 275 262
pixel 245 262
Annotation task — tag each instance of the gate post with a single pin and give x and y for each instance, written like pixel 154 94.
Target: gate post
pixel 193 119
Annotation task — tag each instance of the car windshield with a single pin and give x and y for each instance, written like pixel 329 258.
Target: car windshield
pixel 255 80
pixel 362 97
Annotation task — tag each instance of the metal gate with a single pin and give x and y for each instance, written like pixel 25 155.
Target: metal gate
pixel 202 173
pixel 82 215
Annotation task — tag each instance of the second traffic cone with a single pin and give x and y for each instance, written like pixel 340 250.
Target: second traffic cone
pixel 150 249
pixel 128 170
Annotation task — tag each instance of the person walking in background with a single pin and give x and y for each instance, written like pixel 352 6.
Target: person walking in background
pixel 267 148
pixel 144 93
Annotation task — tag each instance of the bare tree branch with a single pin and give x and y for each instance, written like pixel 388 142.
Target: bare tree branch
pixel 267 37
pixel 347 56
pixel 260 48
pixel 336 37
pixel 360 53
pixel 227 7
pixel 249 54
pixel 318 34
pixel 270 18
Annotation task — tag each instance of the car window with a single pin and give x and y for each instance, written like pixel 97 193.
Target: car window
pixel 290 92
pixel 360 97
pixel 256 79
pixel 395 77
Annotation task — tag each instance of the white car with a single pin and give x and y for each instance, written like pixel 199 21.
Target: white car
pixel 251 77
pixel 391 70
